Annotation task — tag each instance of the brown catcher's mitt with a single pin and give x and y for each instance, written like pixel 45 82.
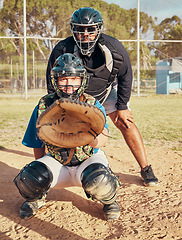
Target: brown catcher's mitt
pixel 70 124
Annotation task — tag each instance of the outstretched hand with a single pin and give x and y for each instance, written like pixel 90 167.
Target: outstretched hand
pixel 125 117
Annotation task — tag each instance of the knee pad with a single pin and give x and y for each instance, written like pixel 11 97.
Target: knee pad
pixel 98 182
pixel 34 180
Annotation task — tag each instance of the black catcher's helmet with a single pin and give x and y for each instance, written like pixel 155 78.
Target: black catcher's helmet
pixel 86 21
pixel 68 65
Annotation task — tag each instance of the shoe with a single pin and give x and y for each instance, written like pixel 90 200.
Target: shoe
pixel 148 177
pixel 112 211
pixel 29 209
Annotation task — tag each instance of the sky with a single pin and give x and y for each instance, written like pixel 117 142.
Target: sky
pixel 156 8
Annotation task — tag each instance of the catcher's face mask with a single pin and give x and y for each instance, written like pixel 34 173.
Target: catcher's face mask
pixel 68 76
pixel 86 26
pixel 68 84
pixel 86 37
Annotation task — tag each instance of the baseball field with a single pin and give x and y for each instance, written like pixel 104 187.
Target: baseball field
pixel 147 213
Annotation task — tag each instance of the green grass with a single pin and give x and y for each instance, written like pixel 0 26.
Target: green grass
pixel 158 117
pixel 14 117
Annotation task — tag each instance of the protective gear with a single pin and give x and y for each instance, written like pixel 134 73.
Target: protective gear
pixel 81 153
pixel 104 76
pixel 70 124
pixel 34 180
pixel 29 209
pixel 68 65
pixel 86 22
pixel 99 183
pixel 112 211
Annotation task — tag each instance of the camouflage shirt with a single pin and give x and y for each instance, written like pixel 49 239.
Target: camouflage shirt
pixel 62 154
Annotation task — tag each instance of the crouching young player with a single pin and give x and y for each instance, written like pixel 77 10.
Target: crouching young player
pixel 88 168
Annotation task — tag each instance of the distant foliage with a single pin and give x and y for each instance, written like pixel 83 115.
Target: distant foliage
pixel 169 29
pixel 50 19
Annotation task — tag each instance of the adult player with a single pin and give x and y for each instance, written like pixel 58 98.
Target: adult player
pixel 108 65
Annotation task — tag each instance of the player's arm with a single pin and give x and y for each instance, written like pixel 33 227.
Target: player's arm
pixel 100 140
pixel 31 139
pixel 124 78
pixel 39 152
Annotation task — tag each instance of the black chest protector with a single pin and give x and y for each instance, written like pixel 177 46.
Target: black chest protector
pixel 103 77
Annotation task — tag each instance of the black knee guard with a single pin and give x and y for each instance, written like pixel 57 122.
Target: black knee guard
pixel 98 182
pixel 34 180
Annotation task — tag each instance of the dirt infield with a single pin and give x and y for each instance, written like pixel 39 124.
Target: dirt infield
pixel 147 213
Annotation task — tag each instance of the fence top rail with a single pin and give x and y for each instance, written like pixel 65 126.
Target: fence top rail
pixel 121 40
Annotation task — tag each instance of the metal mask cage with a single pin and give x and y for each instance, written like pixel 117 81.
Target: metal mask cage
pixel 85 47
pixel 76 93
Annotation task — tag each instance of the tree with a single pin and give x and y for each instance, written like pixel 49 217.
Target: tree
pixel 51 19
pixel 168 29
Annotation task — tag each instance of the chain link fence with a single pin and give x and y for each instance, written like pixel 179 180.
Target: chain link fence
pixel 150 52
pixel 12 73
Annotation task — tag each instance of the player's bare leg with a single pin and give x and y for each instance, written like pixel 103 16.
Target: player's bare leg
pixel 134 141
